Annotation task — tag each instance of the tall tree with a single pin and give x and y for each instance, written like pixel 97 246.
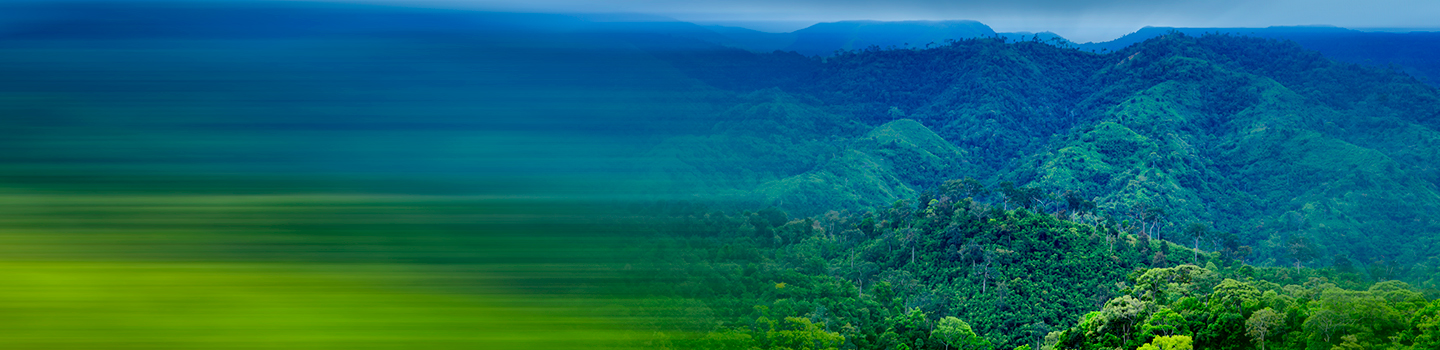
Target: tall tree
pixel 1198 231
pixel 1124 310
pixel 1263 324
pixel 1299 248
pixel 954 332
pixel 972 252
pixel 1324 322
pixel 1165 322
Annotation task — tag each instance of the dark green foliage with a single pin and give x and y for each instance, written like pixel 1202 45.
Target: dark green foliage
pixel 1010 275
pixel 1242 314
pixel 886 277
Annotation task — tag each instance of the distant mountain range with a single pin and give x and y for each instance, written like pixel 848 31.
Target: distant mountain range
pixel 1417 53
pixel 825 38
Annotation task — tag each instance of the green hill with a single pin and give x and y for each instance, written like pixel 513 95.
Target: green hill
pixel 781 151
pixel 1289 155
pixel 894 161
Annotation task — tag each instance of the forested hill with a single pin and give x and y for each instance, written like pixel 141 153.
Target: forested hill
pixel 1303 159
pixel 1416 52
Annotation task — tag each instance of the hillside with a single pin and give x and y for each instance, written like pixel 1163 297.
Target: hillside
pixel 781 150
pixel 887 164
pixel 1261 139
pixel 1415 52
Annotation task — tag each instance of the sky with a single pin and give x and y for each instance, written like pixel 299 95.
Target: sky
pixel 1077 20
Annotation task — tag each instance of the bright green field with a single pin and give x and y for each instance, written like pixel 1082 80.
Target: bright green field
pixel 95 271
pixel 88 305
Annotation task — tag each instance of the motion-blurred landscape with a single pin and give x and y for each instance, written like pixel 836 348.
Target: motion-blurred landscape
pixel 329 175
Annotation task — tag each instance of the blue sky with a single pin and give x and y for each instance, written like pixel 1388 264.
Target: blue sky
pixel 1081 21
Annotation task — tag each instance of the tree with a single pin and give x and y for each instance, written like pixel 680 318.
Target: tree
pixel 1381 270
pixel 911 329
pixel 1223 330
pixel 1349 342
pixel 986 271
pixel 1231 296
pixel 1243 252
pixel 1076 204
pixel 1343 264
pixel 1425 329
pixel 1025 197
pixel 1031 197
pixel 799 333
pixel 895 113
pixel 1324 323
pixel 1037 331
pixel 1165 322
pixel 863 272
pixel 1197 230
pixel 964 188
pixel 1155 214
pixel 954 332
pixel 908 235
pixel 771 217
pixel 1300 249
pixel 1177 342
pixel 1124 310
pixel 1007 190
pixel 972 252
pixel 1262 324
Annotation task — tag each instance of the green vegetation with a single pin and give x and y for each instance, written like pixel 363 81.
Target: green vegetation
pixel 958 273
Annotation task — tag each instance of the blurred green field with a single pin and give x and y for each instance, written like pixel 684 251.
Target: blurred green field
pixel 89 305
pixel 91 271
